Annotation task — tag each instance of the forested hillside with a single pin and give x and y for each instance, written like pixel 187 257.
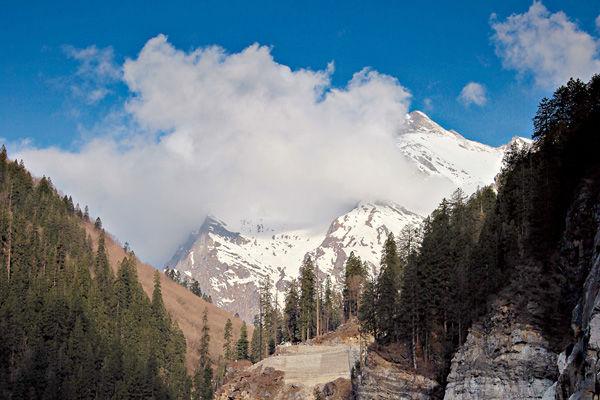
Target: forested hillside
pixel 435 282
pixel 69 328
pixel 185 307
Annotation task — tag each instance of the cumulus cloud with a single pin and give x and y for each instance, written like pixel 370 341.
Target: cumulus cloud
pixel 96 72
pixel 548 46
pixel 238 136
pixel 473 93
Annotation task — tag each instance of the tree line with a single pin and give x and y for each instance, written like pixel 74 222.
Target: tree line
pixel 436 280
pixel 189 283
pixel 73 329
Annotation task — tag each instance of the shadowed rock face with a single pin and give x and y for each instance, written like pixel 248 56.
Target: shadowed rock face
pixel 579 363
pixel 512 352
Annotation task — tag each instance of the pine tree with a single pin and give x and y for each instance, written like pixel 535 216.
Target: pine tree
pixel 242 343
pixel 227 338
pixel 388 291
pixel 354 278
pixel 256 347
pixel 158 306
pixel 204 372
pixel 292 313
pixel 203 349
pixel 266 316
pixel 328 306
pixel 307 299
pixel 367 311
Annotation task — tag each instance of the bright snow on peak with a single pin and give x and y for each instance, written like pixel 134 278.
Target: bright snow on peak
pixel 444 153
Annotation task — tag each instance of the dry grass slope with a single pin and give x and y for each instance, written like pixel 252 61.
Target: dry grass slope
pixel 183 306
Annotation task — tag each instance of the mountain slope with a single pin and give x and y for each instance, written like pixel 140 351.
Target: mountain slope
pixel 230 265
pixel 363 231
pixel 183 306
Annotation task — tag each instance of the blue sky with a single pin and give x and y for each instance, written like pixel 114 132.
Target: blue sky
pixel 434 48
pixel 280 112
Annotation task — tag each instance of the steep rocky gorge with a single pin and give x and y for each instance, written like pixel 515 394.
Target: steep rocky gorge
pixel 524 347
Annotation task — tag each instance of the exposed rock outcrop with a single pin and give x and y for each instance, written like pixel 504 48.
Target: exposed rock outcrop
pixel 261 383
pixel 381 379
pixel 502 358
pixel 579 363
pixel 295 372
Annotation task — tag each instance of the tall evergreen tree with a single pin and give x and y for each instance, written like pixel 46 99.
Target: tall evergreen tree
pixel 367 311
pixel 308 296
pixel 292 313
pixel 267 322
pixel 242 343
pixel 204 372
pixel 354 279
pixel 256 347
pixel 227 339
pixel 388 291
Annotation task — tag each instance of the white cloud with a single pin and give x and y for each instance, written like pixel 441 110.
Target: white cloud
pixel 240 136
pixel 473 93
pixel 549 47
pixel 96 71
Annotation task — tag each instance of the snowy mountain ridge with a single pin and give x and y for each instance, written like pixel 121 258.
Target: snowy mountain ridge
pixel 230 264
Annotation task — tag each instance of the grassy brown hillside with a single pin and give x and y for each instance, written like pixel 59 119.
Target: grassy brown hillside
pixel 185 307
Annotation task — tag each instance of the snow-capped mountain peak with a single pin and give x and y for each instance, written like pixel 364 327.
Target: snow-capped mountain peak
pixel 418 121
pixel 447 154
pixel 230 263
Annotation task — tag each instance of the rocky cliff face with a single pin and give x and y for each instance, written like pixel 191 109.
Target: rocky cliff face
pixel 503 358
pixel 522 349
pixel 579 363
pixel 382 380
